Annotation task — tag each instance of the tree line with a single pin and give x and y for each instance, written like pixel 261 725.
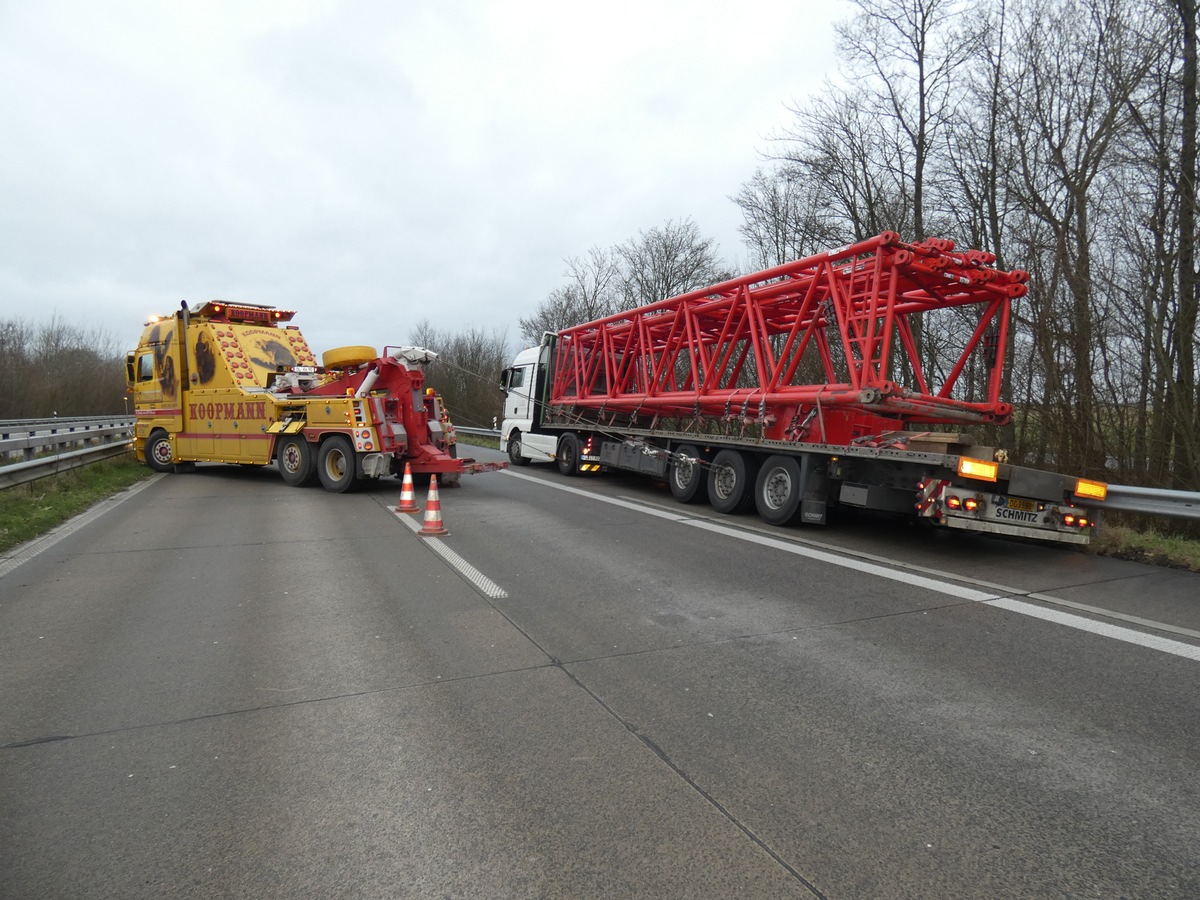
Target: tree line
pixel 59 369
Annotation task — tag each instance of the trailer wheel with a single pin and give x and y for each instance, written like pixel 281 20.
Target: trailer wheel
pixel 731 481
pixel 158 451
pixel 295 459
pixel 514 450
pixel 687 478
pixel 778 491
pixel 567 456
pixel 336 464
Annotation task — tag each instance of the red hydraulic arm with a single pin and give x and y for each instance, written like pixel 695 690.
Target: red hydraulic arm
pixel 825 349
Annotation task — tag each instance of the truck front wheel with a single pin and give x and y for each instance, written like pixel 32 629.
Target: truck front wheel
pixel 158 451
pixel 514 450
pixel 731 481
pixel 568 454
pixel 336 464
pixel 777 492
pixel 687 478
pixel 296 463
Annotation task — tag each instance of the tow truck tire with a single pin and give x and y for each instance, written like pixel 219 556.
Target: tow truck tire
pixel 514 450
pixel 731 481
pixel 336 464
pixel 688 480
pixel 777 492
pixel 567 456
pixel 347 357
pixel 158 451
pixel 295 459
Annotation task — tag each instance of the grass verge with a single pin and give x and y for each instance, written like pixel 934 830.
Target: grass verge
pixel 476 440
pixel 30 510
pixel 1151 547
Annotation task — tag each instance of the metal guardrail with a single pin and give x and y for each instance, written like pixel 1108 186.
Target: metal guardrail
pixel 43 447
pixel 1148 501
pixel 479 432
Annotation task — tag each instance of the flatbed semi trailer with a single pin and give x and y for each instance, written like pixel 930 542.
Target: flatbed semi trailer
pixel 784 391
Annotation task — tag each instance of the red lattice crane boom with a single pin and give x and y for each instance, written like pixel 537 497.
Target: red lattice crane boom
pixel 824 349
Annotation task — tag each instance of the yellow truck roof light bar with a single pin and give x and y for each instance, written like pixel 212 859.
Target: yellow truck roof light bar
pixel 242 312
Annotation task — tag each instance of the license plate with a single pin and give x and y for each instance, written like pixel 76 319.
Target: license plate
pixel 1023 505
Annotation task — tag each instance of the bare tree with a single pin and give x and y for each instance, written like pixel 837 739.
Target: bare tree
pixel 666 261
pixel 467 370
pixel 853 162
pixel 1067 102
pixel 784 216
pixel 59 368
pixel 907 53
pixel 590 293
pixel 1187 405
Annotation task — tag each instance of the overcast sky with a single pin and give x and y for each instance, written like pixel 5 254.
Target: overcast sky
pixel 371 164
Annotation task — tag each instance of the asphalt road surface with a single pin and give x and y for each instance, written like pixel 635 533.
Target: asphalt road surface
pixel 221 686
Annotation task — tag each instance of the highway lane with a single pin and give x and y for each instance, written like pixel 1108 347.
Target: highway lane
pixel 250 690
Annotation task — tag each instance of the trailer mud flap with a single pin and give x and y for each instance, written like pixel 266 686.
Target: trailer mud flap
pixel 815 480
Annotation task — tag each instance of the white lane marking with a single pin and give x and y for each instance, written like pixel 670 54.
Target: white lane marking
pixel 999 599
pixel 25 552
pixel 486 586
pixel 1104 629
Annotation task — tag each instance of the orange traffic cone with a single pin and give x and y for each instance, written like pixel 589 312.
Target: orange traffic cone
pixel 408 503
pixel 432 526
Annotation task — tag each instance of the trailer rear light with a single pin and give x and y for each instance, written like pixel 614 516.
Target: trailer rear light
pixel 980 469
pixel 953 502
pixel 1093 490
pixel 1068 519
pixel 971 504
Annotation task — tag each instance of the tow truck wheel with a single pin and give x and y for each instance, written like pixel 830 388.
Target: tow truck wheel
pixel 158 451
pixel 568 454
pixel 295 458
pixel 777 491
pixel 731 481
pixel 688 480
pixel 514 450
pixel 336 464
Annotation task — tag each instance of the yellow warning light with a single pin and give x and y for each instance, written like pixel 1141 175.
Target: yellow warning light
pixel 981 469
pixel 1093 490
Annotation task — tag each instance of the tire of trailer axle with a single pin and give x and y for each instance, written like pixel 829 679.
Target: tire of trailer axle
pixel 778 491
pixel 158 451
pixel 296 461
pixel 567 456
pixel 514 450
pixel 687 479
pixel 731 481
pixel 336 464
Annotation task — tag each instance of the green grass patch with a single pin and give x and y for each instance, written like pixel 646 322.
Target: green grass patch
pixel 1152 547
pixel 479 441
pixel 30 510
